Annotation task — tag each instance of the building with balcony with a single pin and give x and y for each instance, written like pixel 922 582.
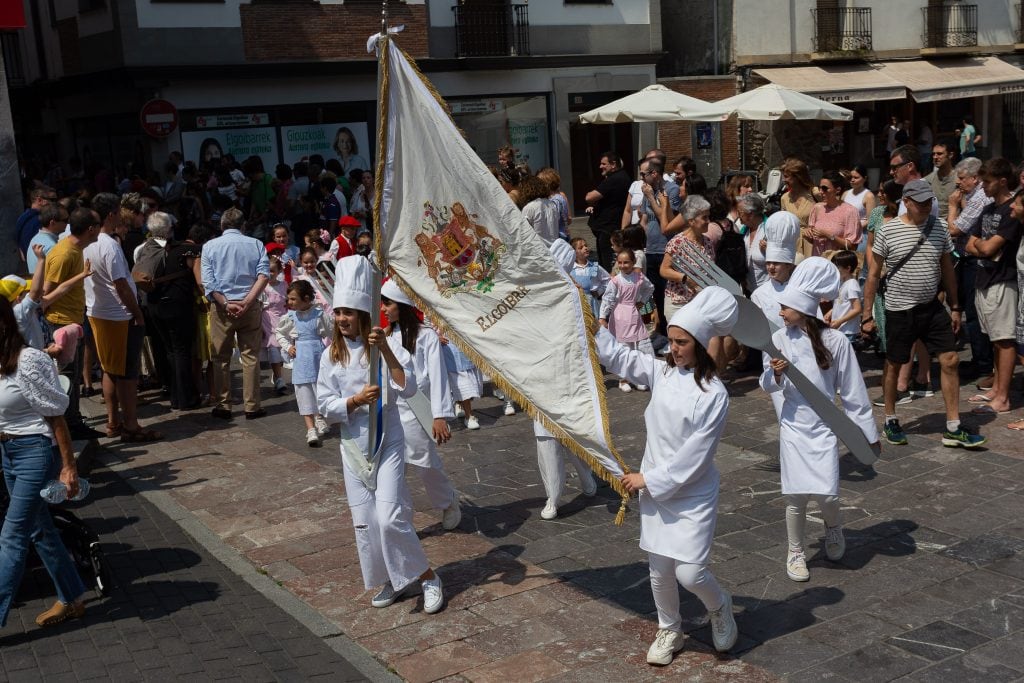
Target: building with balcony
pixel 280 78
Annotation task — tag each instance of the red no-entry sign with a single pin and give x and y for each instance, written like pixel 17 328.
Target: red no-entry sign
pixel 159 118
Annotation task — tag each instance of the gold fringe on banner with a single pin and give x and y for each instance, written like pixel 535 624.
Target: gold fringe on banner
pixel 383 111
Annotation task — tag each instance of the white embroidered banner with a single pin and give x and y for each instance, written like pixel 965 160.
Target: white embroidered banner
pixel 456 243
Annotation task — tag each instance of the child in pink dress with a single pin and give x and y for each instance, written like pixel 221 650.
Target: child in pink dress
pixel 274 306
pixel 627 290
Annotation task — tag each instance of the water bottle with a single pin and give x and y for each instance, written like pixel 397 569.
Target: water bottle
pixel 56 492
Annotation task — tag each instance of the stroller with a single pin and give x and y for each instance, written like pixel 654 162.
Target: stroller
pixel 81 541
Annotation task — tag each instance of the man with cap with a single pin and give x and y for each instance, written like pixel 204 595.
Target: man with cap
pixel 808 449
pixel 390 553
pixel 916 251
pixel 678 482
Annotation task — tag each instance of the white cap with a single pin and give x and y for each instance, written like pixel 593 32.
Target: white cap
pixel 782 230
pixel 711 313
pixel 390 290
pixel 563 253
pixel 814 280
pixel 353 280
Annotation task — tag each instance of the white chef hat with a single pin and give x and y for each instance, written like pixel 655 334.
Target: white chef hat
pixel 563 254
pixel 353 282
pixel 392 291
pixel 815 279
pixel 781 230
pixel 711 313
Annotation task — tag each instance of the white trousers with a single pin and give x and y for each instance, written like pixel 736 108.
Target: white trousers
pixel 305 398
pixel 796 514
pixel 386 540
pixel 666 572
pixel 551 457
pixel 439 487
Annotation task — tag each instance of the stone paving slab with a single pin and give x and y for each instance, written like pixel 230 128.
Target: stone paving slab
pixel 930 586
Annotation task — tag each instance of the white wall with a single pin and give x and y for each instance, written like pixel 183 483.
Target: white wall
pixel 173 15
pixel 557 13
pixel 778 28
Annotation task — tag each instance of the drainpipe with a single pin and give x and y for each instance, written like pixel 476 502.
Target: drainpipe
pixel 714 20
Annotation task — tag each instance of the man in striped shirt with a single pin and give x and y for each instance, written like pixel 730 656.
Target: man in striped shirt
pixel 913 311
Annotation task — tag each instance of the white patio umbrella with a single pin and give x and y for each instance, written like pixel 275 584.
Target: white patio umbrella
pixel 772 102
pixel 653 103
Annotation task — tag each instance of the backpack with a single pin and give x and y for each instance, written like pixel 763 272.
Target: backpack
pixel 731 254
pixel 149 265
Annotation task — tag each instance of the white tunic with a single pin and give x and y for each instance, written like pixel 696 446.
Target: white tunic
pixel 432 380
pixel 679 505
pixel 808 450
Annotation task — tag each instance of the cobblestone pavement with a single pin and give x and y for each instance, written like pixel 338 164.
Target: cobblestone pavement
pixel 930 587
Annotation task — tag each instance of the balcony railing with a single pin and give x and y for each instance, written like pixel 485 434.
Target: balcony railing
pixel 496 30
pixel 12 59
pixel 842 29
pixel 953 25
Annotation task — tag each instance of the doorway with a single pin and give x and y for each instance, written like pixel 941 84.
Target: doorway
pixel 587 144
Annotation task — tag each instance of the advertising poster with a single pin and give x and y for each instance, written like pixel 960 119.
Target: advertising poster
pixel 349 143
pixel 203 145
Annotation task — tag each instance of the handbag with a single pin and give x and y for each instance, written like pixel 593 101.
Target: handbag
pixel 883 282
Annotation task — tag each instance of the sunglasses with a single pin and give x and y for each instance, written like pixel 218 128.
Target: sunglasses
pixel 893 167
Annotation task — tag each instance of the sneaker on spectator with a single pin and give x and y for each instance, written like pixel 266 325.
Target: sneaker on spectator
pixel 902 398
pixel 921 390
pixel 894 434
pixel 279 387
pixel 312 437
pixel 322 428
pixel 963 439
pixel 459 412
pixel 472 422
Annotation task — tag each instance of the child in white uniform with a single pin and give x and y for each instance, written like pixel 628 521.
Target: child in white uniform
pixel 390 554
pixel 432 380
pixel 678 480
pixel 808 449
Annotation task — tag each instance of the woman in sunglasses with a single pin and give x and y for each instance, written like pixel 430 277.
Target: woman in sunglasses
pixel 833 224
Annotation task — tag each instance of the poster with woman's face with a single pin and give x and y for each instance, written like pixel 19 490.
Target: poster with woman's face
pixel 349 143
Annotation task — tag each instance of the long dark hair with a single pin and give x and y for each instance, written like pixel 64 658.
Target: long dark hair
pixel 704 367
pixel 408 322
pixel 11 341
pixel 813 327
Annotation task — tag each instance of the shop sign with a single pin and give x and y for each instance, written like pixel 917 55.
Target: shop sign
pixel 476 106
pixel 328 140
pixel 210 145
pixel 231 120
pixel 159 118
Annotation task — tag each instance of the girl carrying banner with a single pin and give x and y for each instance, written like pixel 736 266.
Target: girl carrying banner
pixel 678 482
pixel 390 554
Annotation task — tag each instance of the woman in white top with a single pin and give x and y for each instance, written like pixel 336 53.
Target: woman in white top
pixel 859 196
pixel 678 481
pixel 32 406
pixel 539 211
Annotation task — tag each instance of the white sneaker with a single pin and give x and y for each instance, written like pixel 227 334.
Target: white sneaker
pixel 641 387
pixel 452 515
pixel 279 386
pixel 509 408
pixel 472 422
pixel 796 566
pixel 625 388
pixel 322 428
pixel 723 625
pixel 433 595
pixel 666 644
pixel 459 412
pixel 589 485
pixel 498 394
pixel 835 543
pixel 312 437
pixel 550 511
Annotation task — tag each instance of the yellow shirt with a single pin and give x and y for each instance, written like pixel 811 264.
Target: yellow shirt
pixel 800 206
pixel 63 263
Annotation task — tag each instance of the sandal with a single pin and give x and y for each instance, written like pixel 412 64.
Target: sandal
pixel 140 436
pixel 1017 426
pixel 114 431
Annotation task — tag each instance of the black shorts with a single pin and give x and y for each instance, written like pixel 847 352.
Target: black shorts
pixel 928 323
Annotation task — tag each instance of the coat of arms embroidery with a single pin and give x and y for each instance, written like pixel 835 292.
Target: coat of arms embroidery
pixel 460 255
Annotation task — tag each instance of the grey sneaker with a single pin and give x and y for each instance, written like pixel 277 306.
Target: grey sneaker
pixel 723 625
pixel 666 644
pixel 386 597
pixel 452 515
pixel 835 542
